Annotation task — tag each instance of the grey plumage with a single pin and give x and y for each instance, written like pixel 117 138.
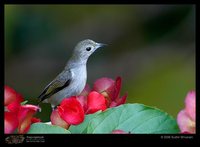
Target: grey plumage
pixel 71 81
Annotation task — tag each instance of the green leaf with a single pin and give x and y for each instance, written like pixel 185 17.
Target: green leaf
pixel 133 118
pixel 42 128
pixel 82 128
pixel 24 102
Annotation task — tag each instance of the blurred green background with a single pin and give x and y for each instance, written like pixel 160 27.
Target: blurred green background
pixel 152 47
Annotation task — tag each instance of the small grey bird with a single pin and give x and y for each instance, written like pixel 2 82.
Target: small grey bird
pixel 71 81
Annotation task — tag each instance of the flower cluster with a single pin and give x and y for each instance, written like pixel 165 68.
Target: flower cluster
pixel 70 112
pixel 103 95
pixel 17 116
pixel 186 117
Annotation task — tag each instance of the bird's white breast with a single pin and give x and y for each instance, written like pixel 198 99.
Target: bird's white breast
pixel 79 77
pixel 77 84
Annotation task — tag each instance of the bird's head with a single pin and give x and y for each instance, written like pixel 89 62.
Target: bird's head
pixel 85 48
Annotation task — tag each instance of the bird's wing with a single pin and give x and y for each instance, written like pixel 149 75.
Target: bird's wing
pixel 60 82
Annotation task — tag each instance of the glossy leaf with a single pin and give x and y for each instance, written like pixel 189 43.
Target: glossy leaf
pixel 133 118
pixel 42 128
pixel 82 128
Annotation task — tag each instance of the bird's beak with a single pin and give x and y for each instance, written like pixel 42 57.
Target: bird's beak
pixel 100 45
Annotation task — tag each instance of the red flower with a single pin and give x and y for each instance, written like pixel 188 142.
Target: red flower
pixel 17 115
pixel 190 105
pixel 92 102
pixel 118 101
pixel 10 122
pixel 71 111
pixel 25 116
pixel 95 102
pixel 105 94
pixel 186 117
pixel 105 86
pixel 83 101
pixel 10 96
pixel 12 99
pixel 111 90
pixel 57 120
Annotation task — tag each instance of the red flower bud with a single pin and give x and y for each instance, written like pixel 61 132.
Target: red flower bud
pixel 95 102
pixel 71 111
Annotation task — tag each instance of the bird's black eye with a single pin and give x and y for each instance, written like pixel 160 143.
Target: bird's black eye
pixel 88 48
